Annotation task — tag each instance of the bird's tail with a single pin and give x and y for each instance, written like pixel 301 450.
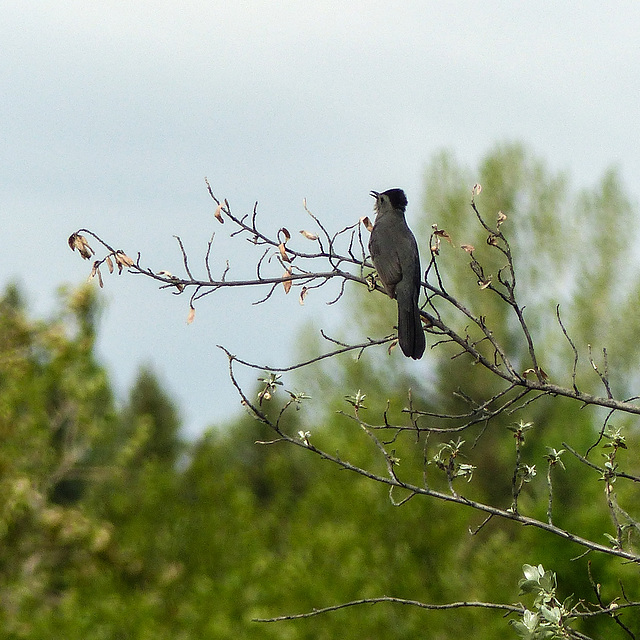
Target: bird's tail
pixel 410 332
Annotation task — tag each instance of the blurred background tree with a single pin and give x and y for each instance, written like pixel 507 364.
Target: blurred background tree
pixel 112 526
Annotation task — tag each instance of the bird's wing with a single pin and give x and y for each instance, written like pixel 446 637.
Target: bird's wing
pixel 387 263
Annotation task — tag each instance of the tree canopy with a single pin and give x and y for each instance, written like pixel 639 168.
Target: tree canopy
pixel 496 478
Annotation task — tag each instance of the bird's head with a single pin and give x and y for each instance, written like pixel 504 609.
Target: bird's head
pixel 392 198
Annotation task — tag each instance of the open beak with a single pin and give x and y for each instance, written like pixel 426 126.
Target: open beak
pixel 374 194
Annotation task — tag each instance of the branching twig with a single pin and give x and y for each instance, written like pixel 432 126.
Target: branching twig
pixel 335 256
pixel 601 470
pixel 447 497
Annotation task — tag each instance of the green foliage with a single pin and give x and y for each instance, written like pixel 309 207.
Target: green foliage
pixel 151 410
pixel 55 402
pixel 552 618
pixel 112 527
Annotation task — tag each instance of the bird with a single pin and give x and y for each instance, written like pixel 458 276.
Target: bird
pixel 394 252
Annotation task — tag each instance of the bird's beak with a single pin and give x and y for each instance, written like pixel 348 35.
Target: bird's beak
pixel 374 194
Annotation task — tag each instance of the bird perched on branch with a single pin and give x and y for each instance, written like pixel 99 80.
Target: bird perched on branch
pixel 394 252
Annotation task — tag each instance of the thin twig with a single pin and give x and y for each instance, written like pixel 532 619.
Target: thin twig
pixel 573 347
pixel 509 608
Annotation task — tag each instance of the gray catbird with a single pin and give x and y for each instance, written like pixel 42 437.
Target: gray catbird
pixel 394 252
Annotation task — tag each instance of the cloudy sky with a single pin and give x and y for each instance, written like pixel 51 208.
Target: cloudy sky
pixel 113 113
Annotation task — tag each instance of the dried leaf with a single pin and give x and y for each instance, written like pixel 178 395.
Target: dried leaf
pixel 192 315
pixel 477 188
pixel 443 234
pixel 76 241
pixel 169 276
pixel 468 248
pixel 308 235
pixel 286 282
pixel 303 294
pixel 95 271
pixel 531 372
pixel 285 233
pixel 124 258
pixel 501 218
pixel 123 261
pixel 86 251
pixel 283 252
pixel 109 264
pixel 218 214
pixel 367 223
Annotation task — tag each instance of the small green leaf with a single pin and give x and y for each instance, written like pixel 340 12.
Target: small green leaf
pixel 552 615
pixel 521 630
pixel 532 573
pixel 357 401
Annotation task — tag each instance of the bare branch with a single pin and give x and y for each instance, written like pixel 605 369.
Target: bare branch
pixel 508 608
pixel 324 356
pixel 573 348
pixel 618 474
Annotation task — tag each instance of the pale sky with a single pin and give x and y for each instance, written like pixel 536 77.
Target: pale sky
pixel 113 113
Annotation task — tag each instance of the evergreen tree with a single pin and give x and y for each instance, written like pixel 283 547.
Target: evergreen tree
pixel 150 405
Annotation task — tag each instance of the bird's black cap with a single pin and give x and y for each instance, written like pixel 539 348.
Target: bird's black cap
pixel 397 198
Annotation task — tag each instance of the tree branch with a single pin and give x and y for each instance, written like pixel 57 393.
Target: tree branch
pixel 413 603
